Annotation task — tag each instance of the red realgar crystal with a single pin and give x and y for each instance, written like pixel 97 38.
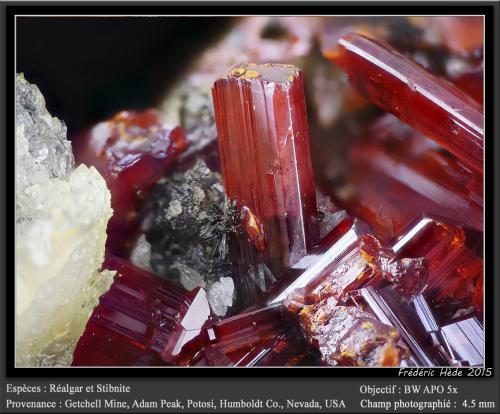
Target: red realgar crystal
pixel 431 105
pixel 347 259
pixel 261 120
pixel 409 175
pixel 132 151
pixel 141 320
pixel 455 271
pixel 262 337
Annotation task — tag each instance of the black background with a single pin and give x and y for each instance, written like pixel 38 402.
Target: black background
pixel 89 68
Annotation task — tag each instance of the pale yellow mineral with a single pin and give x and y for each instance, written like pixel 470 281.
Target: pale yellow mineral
pixel 61 218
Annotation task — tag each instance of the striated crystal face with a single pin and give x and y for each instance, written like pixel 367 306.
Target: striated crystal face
pixel 60 236
pixel 454 268
pixel 413 320
pixel 430 105
pixel 347 259
pixel 261 121
pixel 397 160
pixel 265 336
pixel 132 151
pixel 147 317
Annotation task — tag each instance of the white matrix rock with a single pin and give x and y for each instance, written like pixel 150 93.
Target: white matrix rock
pixel 61 218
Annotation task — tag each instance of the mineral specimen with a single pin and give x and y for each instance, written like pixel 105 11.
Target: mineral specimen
pixel 60 236
pixel 431 105
pixel 220 295
pixel 261 121
pixel 132 151
pixel 377 263
pixel 141 320
pixel 466 338
pixel 141 253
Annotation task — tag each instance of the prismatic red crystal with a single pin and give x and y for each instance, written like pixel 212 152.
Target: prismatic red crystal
pixel 260 113
pixel 397 174
pixel 141 320
pixel 431 105
pixel 455 270
pixel 347 259
pixel 262 337
pixel 412 319
pixel 132 151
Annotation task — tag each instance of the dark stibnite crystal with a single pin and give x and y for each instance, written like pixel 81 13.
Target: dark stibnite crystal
pixel 141 320
pixel 431 105
pixel 260 113
pixel 132 150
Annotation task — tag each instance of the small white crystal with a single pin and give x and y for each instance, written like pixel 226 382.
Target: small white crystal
pixel 174 208
pixel 220 295
pixel 61 219
pixel 141 253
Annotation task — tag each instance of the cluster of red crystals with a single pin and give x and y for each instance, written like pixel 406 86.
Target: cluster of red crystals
pixel 263 137
pixel 132 151
pixel 141 320
pixel 455 270
pixel 347 259
pixel 263 337
pixel 459 343
pixel 431 105
pixel 349 336
pixel 357 298
pixel 397 175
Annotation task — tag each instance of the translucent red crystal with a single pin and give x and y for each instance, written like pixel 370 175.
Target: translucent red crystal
pixel 455 270
pixel 260 113
pixel 472 82
pixel 142 319
pixel 132 150
pixel 391 309
pixel 431 105
pixel 397 174
pixel 264 336
pixel 459 343
pixel 348 258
